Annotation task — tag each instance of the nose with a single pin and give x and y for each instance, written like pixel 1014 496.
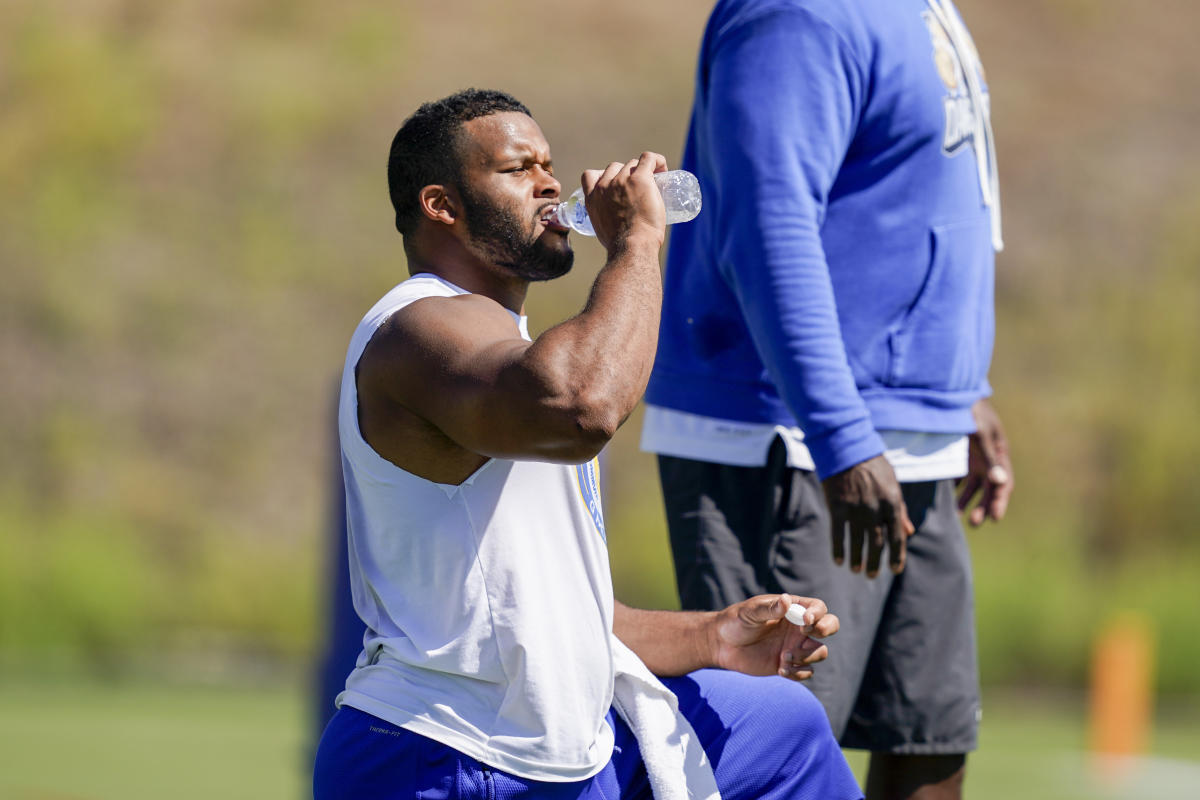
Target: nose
pixel 548 185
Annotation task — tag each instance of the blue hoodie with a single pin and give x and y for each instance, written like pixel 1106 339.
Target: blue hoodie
pixel 840 275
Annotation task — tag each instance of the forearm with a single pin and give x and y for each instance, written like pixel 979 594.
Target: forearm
pixel 595 366
pixel 622 317
pixel 668 642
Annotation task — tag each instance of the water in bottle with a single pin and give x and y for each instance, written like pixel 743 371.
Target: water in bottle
pixel 681 196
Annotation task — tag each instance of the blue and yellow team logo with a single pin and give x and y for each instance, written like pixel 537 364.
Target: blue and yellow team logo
pixel 961 117
pixel 587 477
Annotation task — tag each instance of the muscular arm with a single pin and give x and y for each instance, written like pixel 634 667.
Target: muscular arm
pixel 461 365
pixel 752 636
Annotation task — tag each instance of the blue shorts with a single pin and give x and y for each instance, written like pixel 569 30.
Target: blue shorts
pixel 767 738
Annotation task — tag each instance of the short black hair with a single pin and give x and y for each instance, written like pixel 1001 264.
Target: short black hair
pixel 424 150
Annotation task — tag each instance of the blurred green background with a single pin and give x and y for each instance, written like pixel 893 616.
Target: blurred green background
pixel 194 215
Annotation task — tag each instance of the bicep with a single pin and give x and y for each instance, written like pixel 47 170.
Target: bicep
pixel 461 365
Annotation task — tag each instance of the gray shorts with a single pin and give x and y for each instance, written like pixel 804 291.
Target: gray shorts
pixel 902 674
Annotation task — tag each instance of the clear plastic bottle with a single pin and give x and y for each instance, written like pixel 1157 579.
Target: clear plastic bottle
pixel 681 196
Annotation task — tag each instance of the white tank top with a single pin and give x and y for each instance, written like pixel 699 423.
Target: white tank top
pixel 488 605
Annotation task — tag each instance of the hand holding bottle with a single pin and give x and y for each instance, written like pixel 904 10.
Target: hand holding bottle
pixel 623 203
pixel 680 193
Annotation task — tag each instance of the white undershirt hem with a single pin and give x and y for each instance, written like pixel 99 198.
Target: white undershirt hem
pixel 915 456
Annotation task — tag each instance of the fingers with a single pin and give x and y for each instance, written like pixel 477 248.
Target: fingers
pixel 820 623
pixel 978 514
pixel 875 546
pixel 764 621
pixel 865 503
pixel 826 625
pixel 859 523
pixel 1000 473
pixel 591 178
pixel 623 201
pixel 797 664
pixel 612 171
pixel 817 621
pixel 837 517
pixel 987 446
pixel 651 161
pixel 588 180
pixel 906 524
pixel 998 504
pixel 765 608
pixel 648 161
pixel 968 488
pixel 870 534
pixel 898 533
pixel 994 488
pixel 809 652
pixel 814 609
pixel 996 493
pixel 989 471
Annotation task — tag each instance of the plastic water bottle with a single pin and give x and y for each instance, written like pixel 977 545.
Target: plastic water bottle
pixel 681 196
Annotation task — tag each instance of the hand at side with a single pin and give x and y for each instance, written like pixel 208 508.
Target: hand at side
pixel 867 507
pixel 989 476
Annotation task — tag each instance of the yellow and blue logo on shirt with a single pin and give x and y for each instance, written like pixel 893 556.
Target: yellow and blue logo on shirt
pixel 951 63
pixel 587 476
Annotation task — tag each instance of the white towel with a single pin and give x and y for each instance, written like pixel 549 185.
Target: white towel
pixel 675 761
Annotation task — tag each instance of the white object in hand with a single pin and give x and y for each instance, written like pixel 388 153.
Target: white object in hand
pixel 795 614
pixel 681 197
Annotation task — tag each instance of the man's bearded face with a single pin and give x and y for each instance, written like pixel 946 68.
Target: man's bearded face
pixel 519 243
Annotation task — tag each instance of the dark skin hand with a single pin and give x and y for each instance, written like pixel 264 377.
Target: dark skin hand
pixel 867 508
pixel 989 478
pixel 753 636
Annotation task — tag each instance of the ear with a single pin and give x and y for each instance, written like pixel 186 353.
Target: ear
pixel 439 203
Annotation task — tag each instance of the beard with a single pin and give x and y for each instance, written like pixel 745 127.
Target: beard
pixel 497 231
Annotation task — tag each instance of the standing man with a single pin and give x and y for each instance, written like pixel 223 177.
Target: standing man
pixel 822 364
pixel 477 552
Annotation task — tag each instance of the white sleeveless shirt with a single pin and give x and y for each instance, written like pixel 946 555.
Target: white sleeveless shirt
pixel 488 605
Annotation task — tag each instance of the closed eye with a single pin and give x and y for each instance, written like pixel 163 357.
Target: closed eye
pixel 548 168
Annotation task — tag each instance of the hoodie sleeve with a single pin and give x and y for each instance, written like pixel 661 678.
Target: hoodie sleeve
pixel 785 92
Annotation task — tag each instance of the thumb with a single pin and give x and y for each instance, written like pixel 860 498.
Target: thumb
pixel 764 608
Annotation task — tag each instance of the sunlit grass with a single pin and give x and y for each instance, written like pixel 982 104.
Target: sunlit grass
pixel 88 742
pixel 1033 746
pixel 83 741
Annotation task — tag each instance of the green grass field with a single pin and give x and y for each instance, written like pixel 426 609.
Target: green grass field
pixel 128 742
pixel 73 742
